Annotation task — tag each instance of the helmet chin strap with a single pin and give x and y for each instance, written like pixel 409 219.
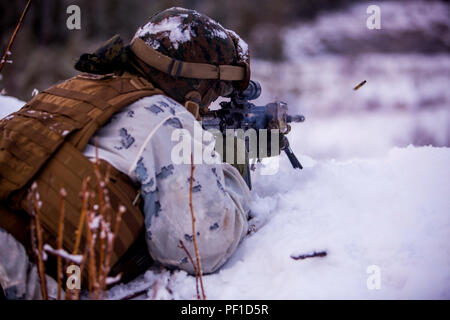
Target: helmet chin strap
pixel 197 104
pixel 193 99
pixel 193 96
pixel 208 97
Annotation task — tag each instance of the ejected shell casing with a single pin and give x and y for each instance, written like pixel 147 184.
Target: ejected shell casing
pixel 360 85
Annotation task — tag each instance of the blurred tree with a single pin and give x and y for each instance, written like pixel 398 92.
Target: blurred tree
pixel 45 49
pixel 102 18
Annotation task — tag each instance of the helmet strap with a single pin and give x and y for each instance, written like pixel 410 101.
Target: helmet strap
pixel 193 99
pixel 177 68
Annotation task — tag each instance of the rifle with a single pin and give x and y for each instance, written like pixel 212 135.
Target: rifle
pixel 240 113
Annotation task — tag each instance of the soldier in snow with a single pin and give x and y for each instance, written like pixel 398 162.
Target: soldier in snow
pixel 124 108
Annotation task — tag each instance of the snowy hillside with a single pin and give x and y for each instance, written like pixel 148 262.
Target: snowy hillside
pixel 392 212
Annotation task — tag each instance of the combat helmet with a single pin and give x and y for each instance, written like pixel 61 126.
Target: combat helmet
pixel 191 57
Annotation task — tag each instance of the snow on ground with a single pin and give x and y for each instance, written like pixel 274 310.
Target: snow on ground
pixel 9 105
pixel 392 212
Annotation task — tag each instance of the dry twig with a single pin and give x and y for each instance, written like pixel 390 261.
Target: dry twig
pixel 36 232
pixel 62 195
pixel 194 233
pixel 91 237
pixel 182 246
pixel 78 233
pixel 84 208
pixel 13 37
pixel 96 223
pixel 101 190
pixel 111 235
pixel 315 254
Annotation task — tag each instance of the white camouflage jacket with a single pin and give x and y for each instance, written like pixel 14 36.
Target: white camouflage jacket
pixel 138 142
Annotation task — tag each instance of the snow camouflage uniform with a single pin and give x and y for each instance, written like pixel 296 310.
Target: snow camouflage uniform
pixel 135 142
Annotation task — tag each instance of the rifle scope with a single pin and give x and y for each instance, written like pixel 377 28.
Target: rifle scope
pixel 252 92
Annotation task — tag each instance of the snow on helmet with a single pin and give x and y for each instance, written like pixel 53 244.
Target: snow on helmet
pixel 186 36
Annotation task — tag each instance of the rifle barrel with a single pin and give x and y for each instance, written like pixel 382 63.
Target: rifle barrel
pixel 296 118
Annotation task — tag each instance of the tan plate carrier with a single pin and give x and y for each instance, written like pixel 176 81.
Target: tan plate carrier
pixel 43 142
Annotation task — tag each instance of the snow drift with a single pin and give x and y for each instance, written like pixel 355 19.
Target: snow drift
pixel 392 212
pixel 9 105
